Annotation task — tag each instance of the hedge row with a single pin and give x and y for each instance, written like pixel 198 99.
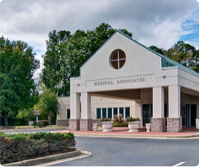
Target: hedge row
pixel 16 147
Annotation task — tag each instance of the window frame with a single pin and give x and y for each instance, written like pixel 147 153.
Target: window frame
pixel 118 60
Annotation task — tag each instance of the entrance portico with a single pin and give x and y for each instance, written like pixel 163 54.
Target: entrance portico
pixel 124 69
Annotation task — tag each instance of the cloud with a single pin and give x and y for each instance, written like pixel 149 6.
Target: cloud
pixel 152 22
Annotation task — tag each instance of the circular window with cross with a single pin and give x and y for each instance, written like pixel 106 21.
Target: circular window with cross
pixel 117 59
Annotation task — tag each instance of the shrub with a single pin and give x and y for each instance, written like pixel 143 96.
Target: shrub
pixel 40 124
pixel 123 124
pixel 45 123
pixel 34 124
pixel 118 119
pixel 16 147
pixel 129 119
pixel 106 119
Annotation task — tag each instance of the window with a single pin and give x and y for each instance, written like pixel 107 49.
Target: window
pixel 98 113
pixel 121 111
pixel 117 59
pixel 127 109
pixel 68 113
pixel 115 111
pixel 109 112
pixel 104 113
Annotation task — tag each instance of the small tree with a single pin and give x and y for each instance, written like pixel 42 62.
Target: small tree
pixel 48 103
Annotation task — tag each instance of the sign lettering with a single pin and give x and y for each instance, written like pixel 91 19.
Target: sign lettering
pixel 36 112
pixel 119 81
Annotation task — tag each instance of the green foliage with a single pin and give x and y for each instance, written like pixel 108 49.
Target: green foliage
pixel 122 124
pixel 130 119
pixel 48 103
pixel 16 147
pixel 34 124
pixel 17 65
pixel 51 136
pixel 118 119
pixel 158 50
pixel 105 119
pixel 185 54
pixel 40 124
pixel 182 53
pixel 67 52
pixel 19 136
pixel 24 116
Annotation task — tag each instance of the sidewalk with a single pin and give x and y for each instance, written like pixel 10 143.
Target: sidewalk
pixel 122 132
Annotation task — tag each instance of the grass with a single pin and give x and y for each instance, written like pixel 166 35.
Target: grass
pixel 30 127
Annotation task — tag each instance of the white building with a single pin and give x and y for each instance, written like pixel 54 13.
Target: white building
pixel 123 76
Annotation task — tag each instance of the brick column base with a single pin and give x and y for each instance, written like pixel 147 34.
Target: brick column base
pixel 74 124
pixel 85 124
pixel 174 124
pixel 158 124
pixel 62 122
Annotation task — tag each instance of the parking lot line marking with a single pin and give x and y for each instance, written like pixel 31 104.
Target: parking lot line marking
pixel 180 163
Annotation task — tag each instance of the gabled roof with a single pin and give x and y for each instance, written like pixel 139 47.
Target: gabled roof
pixel 166 62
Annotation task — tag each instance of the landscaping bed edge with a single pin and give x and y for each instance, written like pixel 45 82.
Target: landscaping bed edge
pixel 40 160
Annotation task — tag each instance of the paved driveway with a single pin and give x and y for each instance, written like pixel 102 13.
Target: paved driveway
pixel 136 152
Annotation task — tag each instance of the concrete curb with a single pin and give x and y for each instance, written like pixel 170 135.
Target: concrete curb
pixel 41 160
pixel 139 136
pixel 84 154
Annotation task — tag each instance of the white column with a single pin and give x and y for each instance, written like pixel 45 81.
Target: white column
pixel 158 102
pixel 106 112
pixel 118 111
pixel 174 101
pixel 74 105
pixel 124 113
pixel 85 105
pixel 112 113
pixel 101 113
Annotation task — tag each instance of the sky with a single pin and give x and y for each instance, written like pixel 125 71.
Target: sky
pixel 152 22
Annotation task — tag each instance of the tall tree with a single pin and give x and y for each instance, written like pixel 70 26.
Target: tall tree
pixel 66 53
pixel 53 60
pixel 184 54
pixel 158 50
pixel 17 65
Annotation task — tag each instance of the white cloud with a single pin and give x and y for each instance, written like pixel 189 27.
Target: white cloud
pixel 152 22
pixel 159 35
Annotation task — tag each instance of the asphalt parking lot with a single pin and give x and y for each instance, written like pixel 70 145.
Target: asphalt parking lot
pixel 137 152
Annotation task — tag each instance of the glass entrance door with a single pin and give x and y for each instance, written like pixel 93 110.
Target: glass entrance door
pixel 147 113
pixel 193 114
pixel 183 114
pixel 188 114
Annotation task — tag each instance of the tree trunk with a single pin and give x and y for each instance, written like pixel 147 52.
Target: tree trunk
pixel 5 119
pixel 49 117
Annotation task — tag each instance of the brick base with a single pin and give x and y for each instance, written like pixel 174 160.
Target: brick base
pixel 74 124
pixel 174 124
pixel 85 124
pixel 62 122
pixel 158 124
